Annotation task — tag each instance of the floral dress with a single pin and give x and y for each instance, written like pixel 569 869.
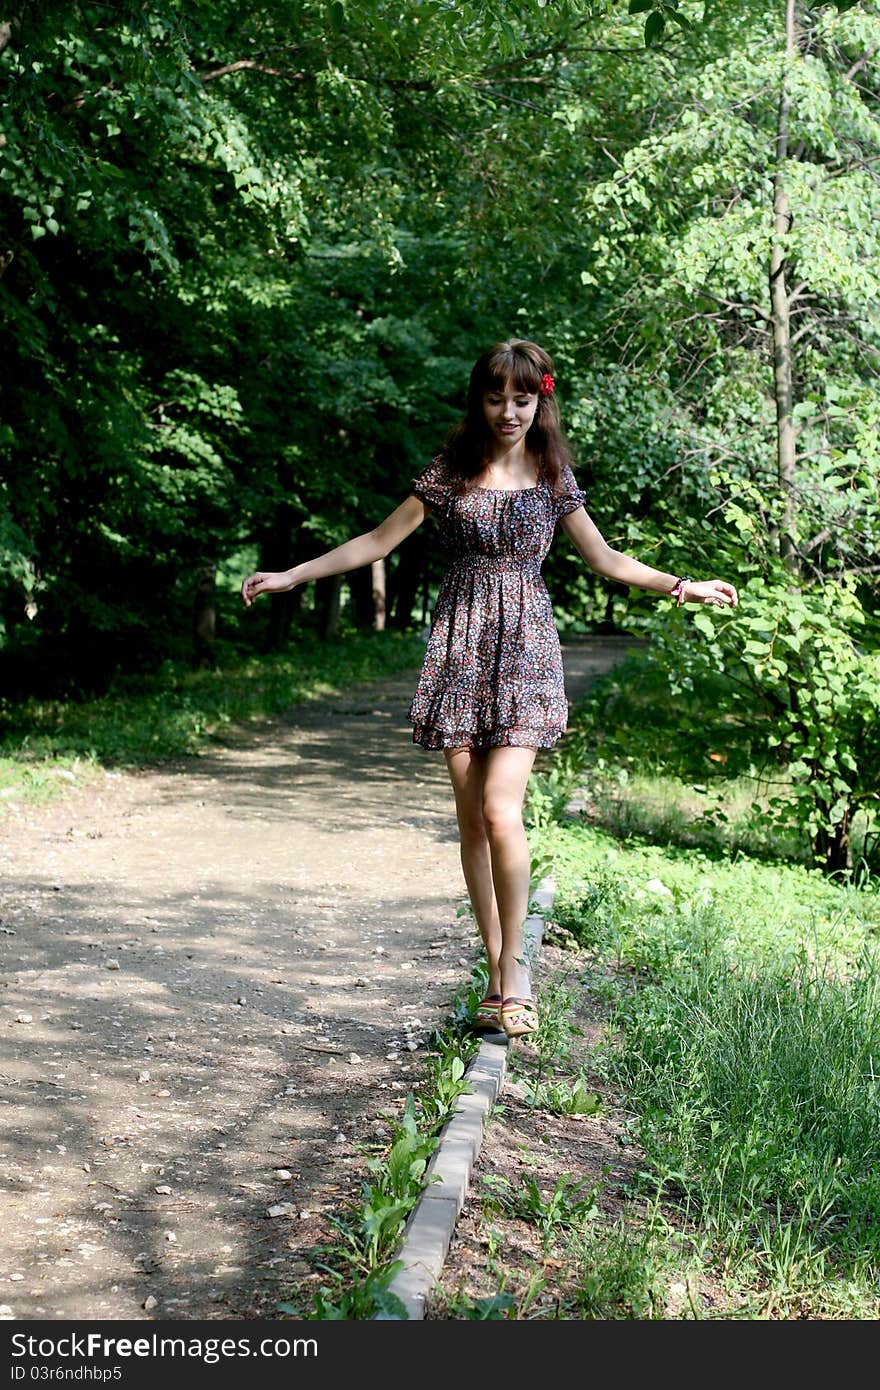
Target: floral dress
pixel 492 673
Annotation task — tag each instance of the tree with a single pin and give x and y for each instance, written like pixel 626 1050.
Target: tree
pixel 742 236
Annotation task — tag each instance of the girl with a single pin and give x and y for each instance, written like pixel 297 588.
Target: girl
pixel 491 688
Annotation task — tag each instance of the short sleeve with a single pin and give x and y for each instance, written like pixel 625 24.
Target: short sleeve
pixel 570 496
pixel 432 485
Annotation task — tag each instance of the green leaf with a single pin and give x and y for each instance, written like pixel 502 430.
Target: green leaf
pixel 655 28
pixel 680 19
pixel 640 6
pixel 584 1102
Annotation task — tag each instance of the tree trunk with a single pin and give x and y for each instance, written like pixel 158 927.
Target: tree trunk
pixel 833 848
pixel 402 584
pixel 783 382
pixel 328 595
pixel 378 578
pixel 204 618
pixel 360 588
pixel 278 552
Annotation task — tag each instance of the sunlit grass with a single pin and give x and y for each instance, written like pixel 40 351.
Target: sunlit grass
pixel 741 989
pixel 638 763
pixel 141 721
pixel 637 900
pixel 743 1038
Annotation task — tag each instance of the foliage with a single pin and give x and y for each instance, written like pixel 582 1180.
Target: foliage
pixel 769 718
pixel 247 257
pixel 805 665
pixel 178 711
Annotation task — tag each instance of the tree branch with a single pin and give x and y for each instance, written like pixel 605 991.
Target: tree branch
pixel 252 65
pixel 861 63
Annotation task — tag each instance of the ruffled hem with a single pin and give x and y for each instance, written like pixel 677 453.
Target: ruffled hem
pixel 509 704
pixel 507 716
pixel 430 737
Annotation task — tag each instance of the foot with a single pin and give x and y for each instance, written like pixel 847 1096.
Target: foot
pixel 487 1014
pixel 519 1016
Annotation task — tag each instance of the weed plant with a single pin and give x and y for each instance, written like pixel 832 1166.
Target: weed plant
pixel 617 1272
pixel 495 1307
pixel 358 1265
pixel 570 1203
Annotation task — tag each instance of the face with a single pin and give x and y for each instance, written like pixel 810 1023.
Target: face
pixel 509 412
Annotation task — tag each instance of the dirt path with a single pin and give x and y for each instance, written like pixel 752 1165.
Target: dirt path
pixel 216 976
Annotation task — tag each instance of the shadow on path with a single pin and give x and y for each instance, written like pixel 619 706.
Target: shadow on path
pixel 218 977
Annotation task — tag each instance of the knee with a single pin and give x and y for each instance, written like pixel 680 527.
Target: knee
pixel 471 827
pixel 502 817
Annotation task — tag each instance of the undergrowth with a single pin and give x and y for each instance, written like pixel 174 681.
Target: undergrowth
pixel 47 745
pixel 357 1266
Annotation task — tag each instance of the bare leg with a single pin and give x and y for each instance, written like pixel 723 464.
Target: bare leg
pixel 505 779
pixel 466 771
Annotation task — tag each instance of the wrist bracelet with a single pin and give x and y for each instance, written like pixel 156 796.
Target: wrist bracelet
pixel 677 590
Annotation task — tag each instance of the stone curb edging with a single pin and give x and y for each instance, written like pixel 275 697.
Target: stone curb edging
pixel 431 1222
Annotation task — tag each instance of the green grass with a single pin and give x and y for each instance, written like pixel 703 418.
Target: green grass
pixel 639 762
pixel 142 721
pixel 743 1041
pixel 652 905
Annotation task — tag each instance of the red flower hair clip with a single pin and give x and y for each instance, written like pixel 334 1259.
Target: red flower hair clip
pixel 547 385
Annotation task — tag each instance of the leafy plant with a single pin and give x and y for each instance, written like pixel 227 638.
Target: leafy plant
pixel 493 1308
pixel 354 1297
pixel 564 1097
pixel 571 1202
pixel 445 1082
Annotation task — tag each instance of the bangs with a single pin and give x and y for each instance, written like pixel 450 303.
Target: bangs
pixel 507 365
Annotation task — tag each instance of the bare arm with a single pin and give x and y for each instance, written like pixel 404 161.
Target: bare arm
pixel 360 550
pixel 592 547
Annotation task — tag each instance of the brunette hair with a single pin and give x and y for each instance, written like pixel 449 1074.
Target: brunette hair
pixel 525 364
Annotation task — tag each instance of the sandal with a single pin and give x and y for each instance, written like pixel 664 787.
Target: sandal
pixel 487 1014
pixel 519 1016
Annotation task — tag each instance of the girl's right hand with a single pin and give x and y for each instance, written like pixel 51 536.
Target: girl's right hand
pixel 265 582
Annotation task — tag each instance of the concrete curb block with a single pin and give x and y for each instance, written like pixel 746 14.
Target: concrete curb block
pixel 432 1220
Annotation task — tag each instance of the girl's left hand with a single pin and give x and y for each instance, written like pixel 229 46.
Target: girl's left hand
pixel 715 591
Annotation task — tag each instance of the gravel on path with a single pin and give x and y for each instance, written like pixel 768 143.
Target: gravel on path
pixel 217 975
